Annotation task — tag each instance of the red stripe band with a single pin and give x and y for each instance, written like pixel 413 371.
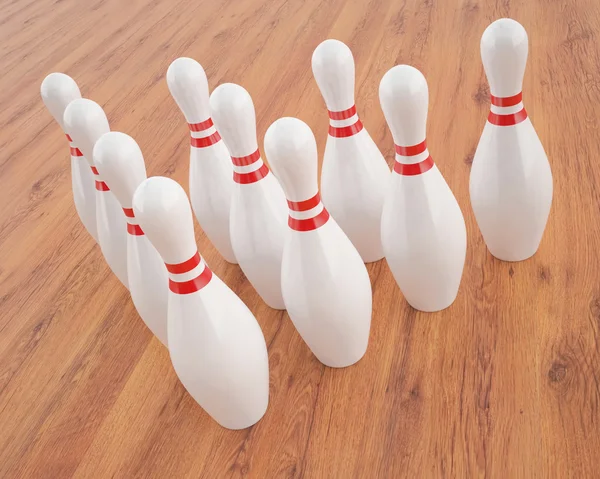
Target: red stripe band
pixel 507 120
pixel 76 152
pixel 306 204
pixel 414 169
pixel 246 160
pixel 95 170
pixel 101 186
pixel 203 125
pixel 129 212
pixel 507 101
pixel 196 284
pixel 206 141
pixel 342 115
pixel 411 150
pixel 310 223
pixel 252 177
pixel 184 267
pixel 345 131
pixel 68 137
pixel 134 230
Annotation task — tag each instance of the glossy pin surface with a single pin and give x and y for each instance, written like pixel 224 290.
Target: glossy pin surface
pixel 511 182
pixel 258 209
pixel 120 159
pixel 85 121
pixel 211 173
pixel 216 346
pixel 325 284
pixel 58 90
pixel 355 176
pixel 422 227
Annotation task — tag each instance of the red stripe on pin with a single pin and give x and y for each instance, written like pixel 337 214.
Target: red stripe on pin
pixel 94 170
pixel 306 204
pixel 252 177
pixel 134 230
pixel 196 284
pixel 206 141
pixel 345 131
pixel 184 267
pixel 101 186
pixel 309 224
pixel 507 101
pixel 507 120
pixel 129 212
pixel 411 150
pixel 413 169
pixel 203 125
pixel 68 137
pixel 342 115
pixel 246 160
pixel 75 152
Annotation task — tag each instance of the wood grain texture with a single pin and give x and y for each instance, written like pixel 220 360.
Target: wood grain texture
pixel 505 383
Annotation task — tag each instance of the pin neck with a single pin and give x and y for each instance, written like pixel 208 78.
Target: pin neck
pixel 203 134
pixel 249 169
pixel 413 169
pixel 343 124
pixel 507 118
pixel 100 185
pixel 307 215
pixel 76 152
pixel 180 285
pixel 132 228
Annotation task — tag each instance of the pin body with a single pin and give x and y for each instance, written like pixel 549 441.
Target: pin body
pixel 120 159
pixel 216 346
pixel 86 122
pixel 325 284
pixel 511 181
pixel 355 176
pixel 422 227
pixel 258 209
pixel 210 179
pixel 58 90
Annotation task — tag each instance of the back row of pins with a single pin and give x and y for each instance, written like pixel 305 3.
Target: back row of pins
pixel 302 249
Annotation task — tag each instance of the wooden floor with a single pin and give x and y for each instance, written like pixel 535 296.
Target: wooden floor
pixel 505 383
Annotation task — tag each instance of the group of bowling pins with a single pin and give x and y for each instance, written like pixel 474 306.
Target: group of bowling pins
pixel 302 250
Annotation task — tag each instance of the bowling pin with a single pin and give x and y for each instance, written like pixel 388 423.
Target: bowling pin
pixel 325 283
pixel 58 90
pixel 216 346
pixel 258 210
pixel 211 183
pixel 121 162
pixel 422 227
pixel 511 181
pixel 86 122
pixel 355 175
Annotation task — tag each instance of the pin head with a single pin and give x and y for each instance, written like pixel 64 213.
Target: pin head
pixel 58 90
pixel 404 99
pixel 85 121
pixel 188 85
pixel 121 162
pixel 291 149
pixel 234 116
pixel 163 211
pixel 333 68
pixel 504 48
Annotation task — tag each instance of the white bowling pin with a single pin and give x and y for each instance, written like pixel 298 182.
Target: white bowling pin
pixel 355 176
pixel 422 227
pixel 258 209
pixel 58 90
pixel 325 283
pixel 86 122
pixel 121 162
pixel 216 346
pixel 211 173
pixel 511 181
